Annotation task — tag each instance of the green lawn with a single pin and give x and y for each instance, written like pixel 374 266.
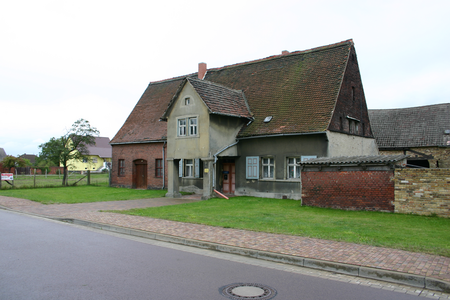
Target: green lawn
pixel 407 232
pixel 31 181
pixel 80 194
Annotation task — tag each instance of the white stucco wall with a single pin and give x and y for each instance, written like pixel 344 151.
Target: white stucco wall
pixel 340 144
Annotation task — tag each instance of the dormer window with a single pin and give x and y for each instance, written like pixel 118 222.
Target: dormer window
pixel 187 101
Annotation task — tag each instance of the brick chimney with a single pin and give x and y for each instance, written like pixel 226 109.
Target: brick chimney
pixel 201 70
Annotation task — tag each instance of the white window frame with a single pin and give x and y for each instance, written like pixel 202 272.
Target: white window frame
pixel 187 126
pixel 188 168
pixel 294 165
pixel 181 128
pixel 268 164
pixel 187 101
pixel 193 126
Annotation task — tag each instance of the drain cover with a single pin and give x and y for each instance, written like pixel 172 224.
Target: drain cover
pixel 244 291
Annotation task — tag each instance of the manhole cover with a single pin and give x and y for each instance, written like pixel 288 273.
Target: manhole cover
pixel 244 291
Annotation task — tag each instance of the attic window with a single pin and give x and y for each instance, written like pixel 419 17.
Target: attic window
pixel 268 119
pixel 187 101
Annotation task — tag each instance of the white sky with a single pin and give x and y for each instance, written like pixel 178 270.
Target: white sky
pixel 65 60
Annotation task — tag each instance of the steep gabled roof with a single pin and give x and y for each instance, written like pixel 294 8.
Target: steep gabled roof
pixel 422 126
pixel 299 90
pixel 102 148
pixel 217 98
pixel 143 123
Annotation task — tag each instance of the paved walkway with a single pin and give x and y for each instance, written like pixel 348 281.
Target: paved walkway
pixel 432 266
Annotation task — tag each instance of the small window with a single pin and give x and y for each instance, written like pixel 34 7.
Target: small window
pixel 192 126
pixel 121 167
pixel 85 160
pixel 94 160
pixel 182 127
pixel 158 168
pixel 268 167
pixel 293 167
pixel 187 101
pixel 189 168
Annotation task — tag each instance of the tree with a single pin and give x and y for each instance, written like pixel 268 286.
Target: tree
pixel 71 146
pixel 14 162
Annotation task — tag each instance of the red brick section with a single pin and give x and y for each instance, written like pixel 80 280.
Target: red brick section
pixel 355 190
pixel 131 152
pixel 351 101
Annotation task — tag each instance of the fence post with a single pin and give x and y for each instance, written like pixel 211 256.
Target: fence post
pixel 109 177
pixel 89 177
pixel 34 179
pixel 0 180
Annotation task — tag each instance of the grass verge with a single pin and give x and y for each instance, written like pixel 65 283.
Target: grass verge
pixel 81 194
pixel 407 232
pixel 31 181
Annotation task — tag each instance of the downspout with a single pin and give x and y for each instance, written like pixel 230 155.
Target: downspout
pixel 163 166
pixel 215 161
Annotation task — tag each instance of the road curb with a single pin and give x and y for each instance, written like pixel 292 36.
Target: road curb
pixel 347 269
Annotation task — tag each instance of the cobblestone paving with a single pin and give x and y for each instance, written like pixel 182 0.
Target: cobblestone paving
pixel 383 258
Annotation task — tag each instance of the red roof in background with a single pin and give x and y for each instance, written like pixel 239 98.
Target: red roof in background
pixel 143 123
pixel 299 90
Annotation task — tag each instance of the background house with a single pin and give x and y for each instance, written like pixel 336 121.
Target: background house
pixel 99 157
pixel 421 132
pixel 244 128
pixel 2 154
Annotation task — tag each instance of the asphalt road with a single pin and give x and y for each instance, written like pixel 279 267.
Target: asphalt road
pixel 43 259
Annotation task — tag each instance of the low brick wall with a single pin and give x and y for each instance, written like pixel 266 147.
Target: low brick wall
pixel 422 191
pixel 354 190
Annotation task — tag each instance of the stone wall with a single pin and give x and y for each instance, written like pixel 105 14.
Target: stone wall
pixel 422 191
pixel 441 155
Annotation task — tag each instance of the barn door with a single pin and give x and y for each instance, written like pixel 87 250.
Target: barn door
pixel 140 174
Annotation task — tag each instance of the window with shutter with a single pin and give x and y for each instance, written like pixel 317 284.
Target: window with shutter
pixel 252 167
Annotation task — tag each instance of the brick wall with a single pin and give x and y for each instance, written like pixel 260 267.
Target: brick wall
pixel 129 153
pixel 422 191
pixel 354 190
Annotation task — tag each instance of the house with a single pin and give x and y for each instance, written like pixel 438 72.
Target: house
pixel 421 132
pixel 98 158
pixel 243 129
pixel 2 154
pixel 30 157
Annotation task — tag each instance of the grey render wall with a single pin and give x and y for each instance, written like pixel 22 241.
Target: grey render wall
pixel 279 148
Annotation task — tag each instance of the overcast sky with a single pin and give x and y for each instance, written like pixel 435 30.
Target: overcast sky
pixel 65 60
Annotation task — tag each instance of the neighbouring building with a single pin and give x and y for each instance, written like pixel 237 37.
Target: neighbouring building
pixel 2 154
pixel 98 158
pixel 421 132
pixel 243 129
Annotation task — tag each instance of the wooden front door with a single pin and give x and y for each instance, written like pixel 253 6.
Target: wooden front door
pixel 229 178
pixel 140 174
